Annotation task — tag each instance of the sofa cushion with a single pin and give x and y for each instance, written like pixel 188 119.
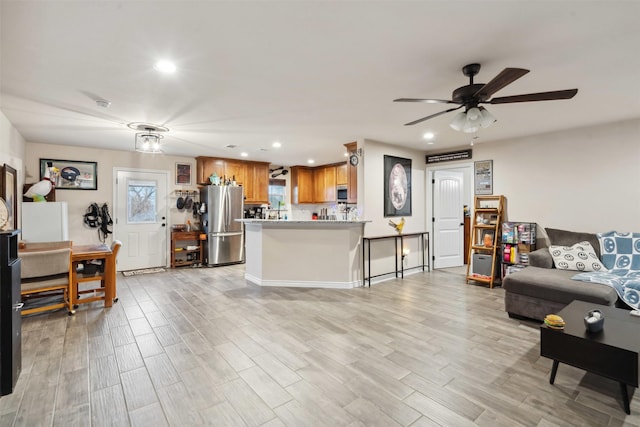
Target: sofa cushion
pixel 579 257
pixel 569 238
pixel 541 258
pixel 556 285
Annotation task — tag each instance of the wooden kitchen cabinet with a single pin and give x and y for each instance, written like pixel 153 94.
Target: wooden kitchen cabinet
pixel 302 187
pixel 253 176
pixel 235 169
pixel 257 192
pixel 206 166
pixel 324 184
pixel 342 174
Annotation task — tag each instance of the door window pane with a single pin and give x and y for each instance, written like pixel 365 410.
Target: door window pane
pixel 141 202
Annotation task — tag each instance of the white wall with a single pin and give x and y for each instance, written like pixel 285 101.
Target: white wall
pixel 585 179
pixel 78 201
pixel 371 202
pixel 12 152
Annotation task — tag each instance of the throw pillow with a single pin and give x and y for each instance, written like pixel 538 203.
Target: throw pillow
pixel 579 257
pixel 567 238
pixel 620 251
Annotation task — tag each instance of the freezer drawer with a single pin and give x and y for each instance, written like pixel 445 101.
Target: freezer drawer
pixel 225 248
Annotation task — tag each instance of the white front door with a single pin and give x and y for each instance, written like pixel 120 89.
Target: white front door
pixel 141 218
pixel 448 245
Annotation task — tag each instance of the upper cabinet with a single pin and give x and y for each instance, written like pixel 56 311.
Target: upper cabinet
pixel 341 174
pixel 302 185
pixel 314 185
pixel 253 176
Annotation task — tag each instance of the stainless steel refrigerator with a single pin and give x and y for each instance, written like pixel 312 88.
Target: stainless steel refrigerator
pixel 225 236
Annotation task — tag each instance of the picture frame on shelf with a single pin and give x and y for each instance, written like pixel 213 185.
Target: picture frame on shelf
pixel 72 174
pixel 9 193
pixel 397 186
pixel 183 173
pixel 483 177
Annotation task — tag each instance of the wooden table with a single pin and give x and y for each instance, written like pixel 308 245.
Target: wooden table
pixel 611 353
pixel 107 290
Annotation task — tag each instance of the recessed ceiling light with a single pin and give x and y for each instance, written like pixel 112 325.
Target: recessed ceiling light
pixel 276 144
pixel 165 66
pixel 346 154
pixel 244 154
pixel 430 143
pixel 428 135
pixel 311 161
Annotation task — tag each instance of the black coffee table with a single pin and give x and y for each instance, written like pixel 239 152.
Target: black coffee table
pixel 612 353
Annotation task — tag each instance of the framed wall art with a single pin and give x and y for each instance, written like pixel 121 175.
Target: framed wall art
pixel 483 177
pixel 397 186
pixel 71 174
pixel 9 192
pixel 183 173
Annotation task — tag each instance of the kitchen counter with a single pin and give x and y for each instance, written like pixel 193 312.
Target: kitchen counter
pixel 304 253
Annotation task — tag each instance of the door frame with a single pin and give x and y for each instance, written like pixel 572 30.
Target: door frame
pixel 114 197
pixel 467 190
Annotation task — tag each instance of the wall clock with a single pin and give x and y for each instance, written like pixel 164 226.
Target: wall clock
pixel 353 159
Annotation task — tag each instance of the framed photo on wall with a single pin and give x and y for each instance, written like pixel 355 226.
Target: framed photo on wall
pixel 72 174
pixel 183 173
pixel 9 192
pixel 397 186
pixel 483 177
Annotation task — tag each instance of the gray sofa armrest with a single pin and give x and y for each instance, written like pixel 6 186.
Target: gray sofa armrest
pixel 541 258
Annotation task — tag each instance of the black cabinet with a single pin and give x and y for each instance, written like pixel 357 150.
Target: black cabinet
pixel 10 312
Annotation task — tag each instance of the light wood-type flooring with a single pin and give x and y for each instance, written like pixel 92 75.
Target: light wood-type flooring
pixel 202 347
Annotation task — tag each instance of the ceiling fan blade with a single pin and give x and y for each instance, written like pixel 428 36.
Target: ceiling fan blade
pixel 432 116
pixel 506 76
pixel 541 96
pixel 428 101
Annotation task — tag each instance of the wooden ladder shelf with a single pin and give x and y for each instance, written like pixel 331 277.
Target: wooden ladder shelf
pixel 484 237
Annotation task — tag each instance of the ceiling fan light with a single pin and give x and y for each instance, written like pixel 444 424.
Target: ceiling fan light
pixel 487 119
pixel 474 114
pixel 471 127
pixel 458 121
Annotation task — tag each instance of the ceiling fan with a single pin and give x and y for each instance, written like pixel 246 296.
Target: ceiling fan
pixel 474 94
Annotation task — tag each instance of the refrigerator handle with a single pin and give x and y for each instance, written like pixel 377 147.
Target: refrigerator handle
pixel 228 216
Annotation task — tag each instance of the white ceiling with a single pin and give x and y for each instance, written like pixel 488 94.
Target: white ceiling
pixel 312 75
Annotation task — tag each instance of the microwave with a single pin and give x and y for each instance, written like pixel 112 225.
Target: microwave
pixel 341 192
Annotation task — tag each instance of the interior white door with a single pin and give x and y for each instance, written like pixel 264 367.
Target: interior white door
pixel 141 218
pixel 448 244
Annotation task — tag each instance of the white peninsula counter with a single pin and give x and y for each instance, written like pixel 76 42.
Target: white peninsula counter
pixel 318 254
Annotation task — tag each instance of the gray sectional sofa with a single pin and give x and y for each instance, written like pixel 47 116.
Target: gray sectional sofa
pixel 541 289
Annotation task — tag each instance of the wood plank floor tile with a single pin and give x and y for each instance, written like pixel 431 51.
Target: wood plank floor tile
pixel 75 416
pixel 265 386
pixel 103 372
pixel 161 370
pixel 148 416
pixel 108 407
pixel 138 389
pixel 128 357
pixel 222 414
pixel 247 403
pixel 203 346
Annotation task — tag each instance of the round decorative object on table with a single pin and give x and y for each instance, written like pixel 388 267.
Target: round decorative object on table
pixel 4 215
pixel 594 320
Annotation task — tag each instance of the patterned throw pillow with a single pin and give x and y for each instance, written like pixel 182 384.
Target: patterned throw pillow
pixel 579 257
pixel 620 251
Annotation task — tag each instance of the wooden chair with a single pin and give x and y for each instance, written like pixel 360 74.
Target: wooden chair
pixel 45 272
pixel 98 293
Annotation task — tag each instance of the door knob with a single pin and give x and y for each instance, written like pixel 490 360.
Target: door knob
pixel 462 223
pixel 164 225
